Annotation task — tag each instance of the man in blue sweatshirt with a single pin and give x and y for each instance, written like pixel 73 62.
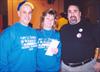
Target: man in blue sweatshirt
pixel 18 43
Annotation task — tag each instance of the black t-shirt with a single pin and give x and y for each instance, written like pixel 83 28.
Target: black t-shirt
pixel 78 42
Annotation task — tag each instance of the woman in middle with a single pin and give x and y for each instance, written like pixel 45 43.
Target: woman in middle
pixel 49 44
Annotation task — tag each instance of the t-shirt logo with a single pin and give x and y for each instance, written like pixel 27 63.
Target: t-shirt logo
pixel 28 42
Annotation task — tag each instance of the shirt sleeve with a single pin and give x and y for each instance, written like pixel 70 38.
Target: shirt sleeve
pixel 5 45
pixel 59 48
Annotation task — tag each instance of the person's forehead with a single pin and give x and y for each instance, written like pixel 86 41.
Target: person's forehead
pixel 26 7
pixel 73 7
pixel 50 15
pixel 25 3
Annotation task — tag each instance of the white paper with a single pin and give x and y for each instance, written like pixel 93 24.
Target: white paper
pixel 54 44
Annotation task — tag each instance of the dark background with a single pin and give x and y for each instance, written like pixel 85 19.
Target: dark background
pixel 90 9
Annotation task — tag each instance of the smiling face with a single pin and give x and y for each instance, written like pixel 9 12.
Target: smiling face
pixel 74 14
pixel 48 21
pixel 25 14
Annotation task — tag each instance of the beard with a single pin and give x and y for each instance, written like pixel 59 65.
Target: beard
pixel 73 20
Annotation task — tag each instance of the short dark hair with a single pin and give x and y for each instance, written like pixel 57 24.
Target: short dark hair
pixel 80 7
pixel 20 4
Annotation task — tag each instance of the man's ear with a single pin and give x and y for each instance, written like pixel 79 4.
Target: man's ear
pixel 18 12
pixel 80 14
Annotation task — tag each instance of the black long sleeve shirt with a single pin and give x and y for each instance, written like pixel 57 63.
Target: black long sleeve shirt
pixel 78 42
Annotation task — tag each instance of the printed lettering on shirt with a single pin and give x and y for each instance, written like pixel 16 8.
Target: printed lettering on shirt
pixel 28 42
pixel 44 42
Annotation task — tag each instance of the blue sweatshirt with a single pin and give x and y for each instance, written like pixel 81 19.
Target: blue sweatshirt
pixel 46 63
pixel 18 46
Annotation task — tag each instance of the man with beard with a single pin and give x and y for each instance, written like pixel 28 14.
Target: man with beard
pixel 79 41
